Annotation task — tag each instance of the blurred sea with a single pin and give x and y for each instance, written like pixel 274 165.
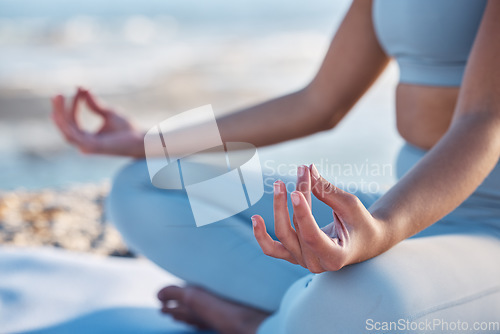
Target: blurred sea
pixel 155 58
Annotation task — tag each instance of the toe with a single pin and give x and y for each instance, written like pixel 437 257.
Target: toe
pixel 170 293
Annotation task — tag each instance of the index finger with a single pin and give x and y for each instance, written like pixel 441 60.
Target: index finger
pixel 94 104
pixel 74 106
pixel 310 233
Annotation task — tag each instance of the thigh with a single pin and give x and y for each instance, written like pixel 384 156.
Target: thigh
pixel 441 278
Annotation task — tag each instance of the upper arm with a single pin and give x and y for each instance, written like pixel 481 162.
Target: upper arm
pixel 353 62
pixel 480 91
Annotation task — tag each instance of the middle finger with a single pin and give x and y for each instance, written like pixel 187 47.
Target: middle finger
pixel 282 226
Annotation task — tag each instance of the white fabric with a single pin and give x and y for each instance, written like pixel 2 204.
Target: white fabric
pixel 45 290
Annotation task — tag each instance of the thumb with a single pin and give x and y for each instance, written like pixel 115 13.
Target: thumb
pixel 336 198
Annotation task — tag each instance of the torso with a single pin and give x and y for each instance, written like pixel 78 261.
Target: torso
pixel 431 41
pixel 424 113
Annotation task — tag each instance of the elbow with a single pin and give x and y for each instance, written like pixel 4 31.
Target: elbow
pixel 330 119
pixel 327 113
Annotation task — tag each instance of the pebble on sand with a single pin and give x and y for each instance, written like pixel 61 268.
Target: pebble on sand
pixel 71 218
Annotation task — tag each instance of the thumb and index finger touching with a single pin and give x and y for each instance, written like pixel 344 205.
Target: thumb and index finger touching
pixel 336 198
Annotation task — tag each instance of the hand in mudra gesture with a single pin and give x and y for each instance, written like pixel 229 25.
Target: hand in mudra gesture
pixel 116 136
pixel 353 236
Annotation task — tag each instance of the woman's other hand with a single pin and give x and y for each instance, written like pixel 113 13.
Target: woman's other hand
pixel 354 235
pixel 117 135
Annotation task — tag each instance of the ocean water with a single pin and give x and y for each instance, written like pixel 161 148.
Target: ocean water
pixel 114 45
pixel 178 54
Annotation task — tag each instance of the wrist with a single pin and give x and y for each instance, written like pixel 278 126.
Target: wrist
pixel 385 235
pixel 137 150
pixel 373 239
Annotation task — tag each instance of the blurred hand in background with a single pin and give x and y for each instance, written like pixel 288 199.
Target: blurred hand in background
pixel 116 136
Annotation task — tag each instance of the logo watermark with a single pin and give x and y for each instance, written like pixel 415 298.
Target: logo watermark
pixel 437 325
pixel 352 177
pixel 221 179
pixel 186 152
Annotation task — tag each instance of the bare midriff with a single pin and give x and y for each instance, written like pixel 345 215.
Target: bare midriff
pixel 424 113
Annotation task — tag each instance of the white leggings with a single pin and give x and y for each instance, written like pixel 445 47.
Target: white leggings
pixel 444 277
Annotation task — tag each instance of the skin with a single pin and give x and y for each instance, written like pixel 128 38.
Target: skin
pixel 459 126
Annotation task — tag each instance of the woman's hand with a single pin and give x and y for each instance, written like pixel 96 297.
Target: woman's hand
pixel 117 135
pixel 354 235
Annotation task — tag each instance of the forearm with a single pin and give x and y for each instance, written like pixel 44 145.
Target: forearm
pixel 442 180
pixel 287 117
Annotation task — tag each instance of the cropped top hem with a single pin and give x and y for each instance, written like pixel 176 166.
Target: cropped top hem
pixel 430 74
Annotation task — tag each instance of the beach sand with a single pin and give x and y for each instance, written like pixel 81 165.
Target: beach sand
pixel 71 218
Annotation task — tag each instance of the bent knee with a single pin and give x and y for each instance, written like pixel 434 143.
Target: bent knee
pixel 134 203
pixel 345 300
pixel 134 173
pixel 126 183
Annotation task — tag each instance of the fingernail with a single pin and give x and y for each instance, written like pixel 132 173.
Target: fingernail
pixel 314 172
pixel 295 198
pixel 254 222
pixel 277 188
pixel 301 170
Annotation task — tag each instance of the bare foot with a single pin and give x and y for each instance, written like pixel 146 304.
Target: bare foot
pixel 204 310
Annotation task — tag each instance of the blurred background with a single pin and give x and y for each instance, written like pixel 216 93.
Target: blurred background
pixel 152 59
